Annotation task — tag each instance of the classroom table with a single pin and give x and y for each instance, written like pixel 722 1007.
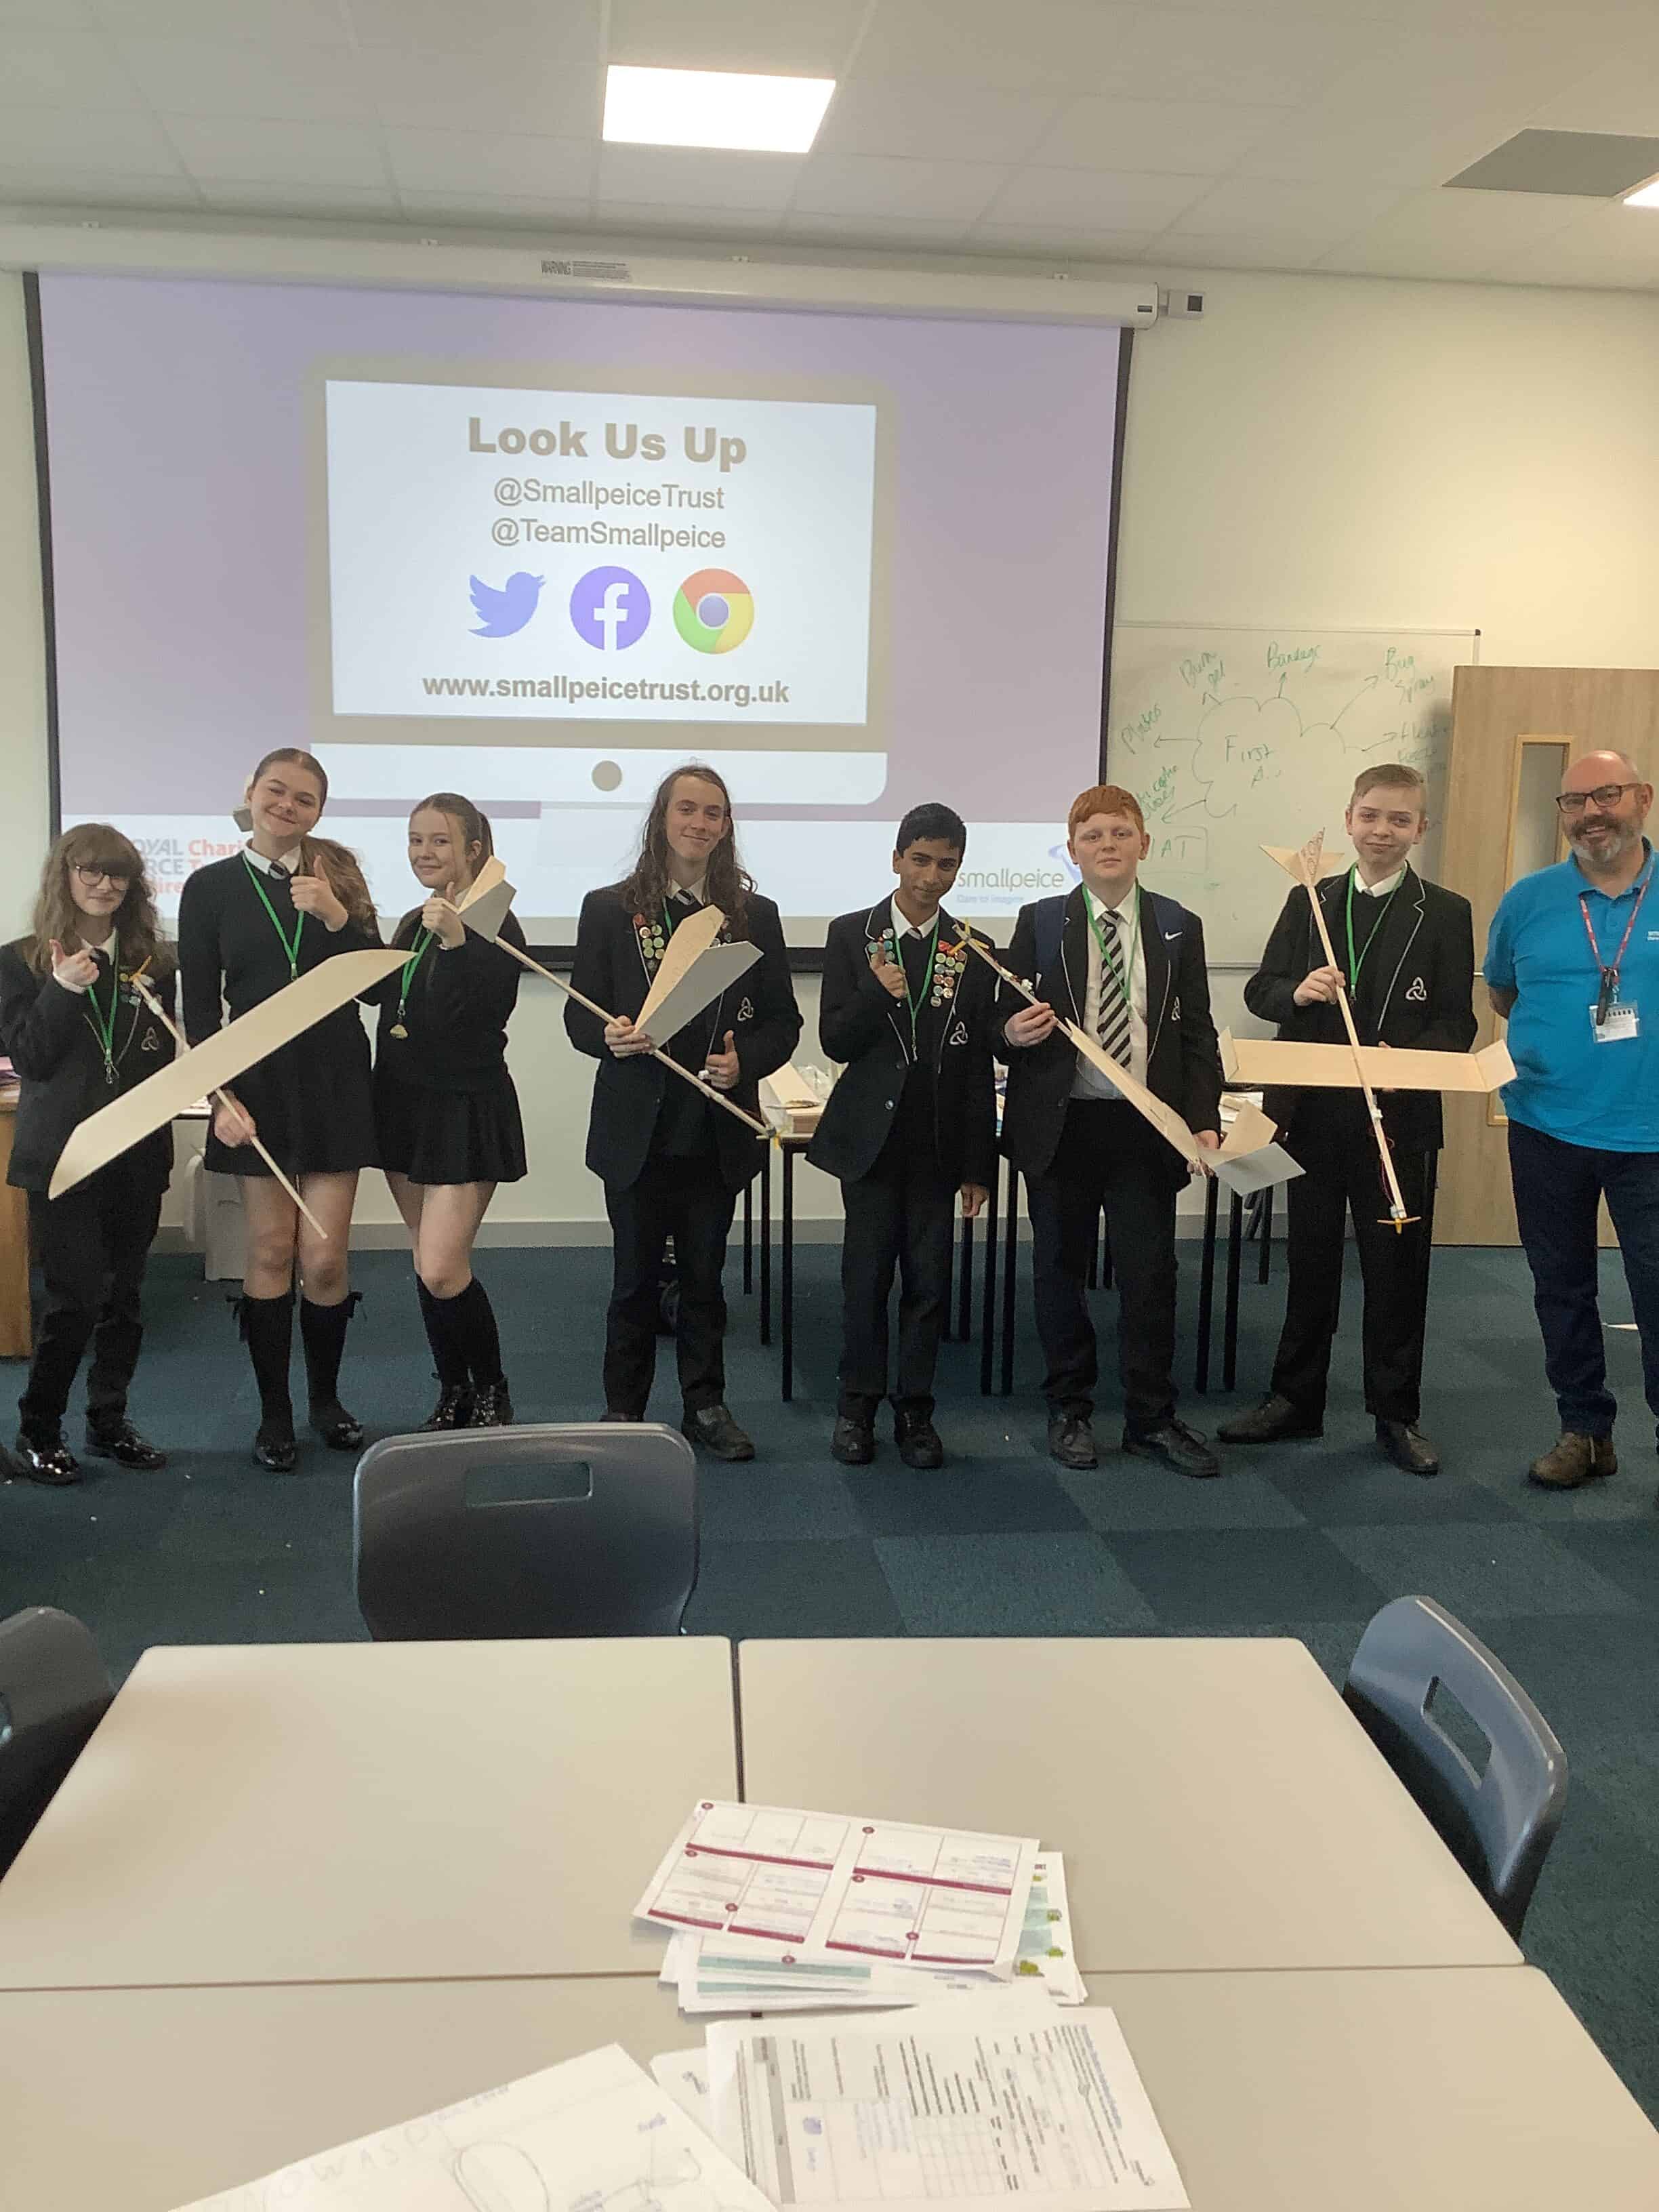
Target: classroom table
pixel 1217 1805
pixel 1445 2090
pixel 371 1811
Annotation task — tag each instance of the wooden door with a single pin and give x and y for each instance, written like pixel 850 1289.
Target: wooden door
pixel 1513 730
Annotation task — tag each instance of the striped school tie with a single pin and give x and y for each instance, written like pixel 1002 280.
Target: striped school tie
pixel 1113 1029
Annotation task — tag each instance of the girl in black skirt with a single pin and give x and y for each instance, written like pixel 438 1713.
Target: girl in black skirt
pixel 446 1113
pixel 79 1035
pixel 248 926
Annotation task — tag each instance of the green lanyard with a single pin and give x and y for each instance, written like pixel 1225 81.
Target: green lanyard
pixel 1354 966
pixel 423 940
pixel 1108 942
pixel 292 950
pixel 915 1000
pixel 103 1030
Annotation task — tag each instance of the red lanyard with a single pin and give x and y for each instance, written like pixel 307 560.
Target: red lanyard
pixel 1609 976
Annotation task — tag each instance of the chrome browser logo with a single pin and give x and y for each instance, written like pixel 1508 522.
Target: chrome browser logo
pixel 714 611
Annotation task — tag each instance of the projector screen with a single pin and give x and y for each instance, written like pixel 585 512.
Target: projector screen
pixel 541 552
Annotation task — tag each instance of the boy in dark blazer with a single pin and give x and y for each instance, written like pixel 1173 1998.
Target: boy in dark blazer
pixel 1127 965
pixel 1407 954
pixel 671 1163
pixel 911 1123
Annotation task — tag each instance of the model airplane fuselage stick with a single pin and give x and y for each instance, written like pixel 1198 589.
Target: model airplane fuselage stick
pixel 224 1099
pixel 1303 864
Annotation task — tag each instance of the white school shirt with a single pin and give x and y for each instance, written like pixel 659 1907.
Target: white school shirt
pixel 289 861
pixel 1089 1082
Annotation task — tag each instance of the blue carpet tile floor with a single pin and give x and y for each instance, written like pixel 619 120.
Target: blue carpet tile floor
pixel 1307 1540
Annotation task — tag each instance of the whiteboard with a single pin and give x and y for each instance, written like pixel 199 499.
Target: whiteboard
pixel 1231 738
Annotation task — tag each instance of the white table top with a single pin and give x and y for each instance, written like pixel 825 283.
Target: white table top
pixel 1217 1805
pixel 1461 2090
pixel 371 1811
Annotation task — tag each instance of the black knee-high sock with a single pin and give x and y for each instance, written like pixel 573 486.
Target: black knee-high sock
pixel 322 1334
pixel 445 1334
pixel 267 1329
pixel 484 1342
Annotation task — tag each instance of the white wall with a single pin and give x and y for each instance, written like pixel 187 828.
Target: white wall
pixel 1325 451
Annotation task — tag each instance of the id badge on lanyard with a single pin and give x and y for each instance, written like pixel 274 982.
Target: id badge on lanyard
pixel 1613 1019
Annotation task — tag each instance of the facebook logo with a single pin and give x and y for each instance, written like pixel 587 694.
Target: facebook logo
pixel 611 608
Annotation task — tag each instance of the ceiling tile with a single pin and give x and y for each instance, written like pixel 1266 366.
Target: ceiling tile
pixel 703 178
pixel 480 210
pixel 350 203
pixel 284 83
pixel 1329 141
pixel 1179 137
pixel 1241 207
pixel 63 68
pixel 869 184
pixel 1056 244
pixel 42 186
pixel 47 14
pixel 935 118
pixel 473 161
pixel 1488 222
pixel 809 38
pixel 1191 253
pixel 316 22
pixel 1063 44
pixel 1621 95
pixel 64 138
pixel 648 219
pixel 300 153
pixel 538 95
pixel 1189 53
pixel 520 26
pixel 1113 200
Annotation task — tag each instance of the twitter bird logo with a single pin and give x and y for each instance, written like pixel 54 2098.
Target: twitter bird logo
pixel 501 613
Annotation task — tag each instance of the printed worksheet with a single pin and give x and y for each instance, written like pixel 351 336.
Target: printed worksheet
pixel 970 2100
pixel 595 2135
pixel 818 1885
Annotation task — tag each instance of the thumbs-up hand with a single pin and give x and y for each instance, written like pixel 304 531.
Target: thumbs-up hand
pixel 76 971
pixel 439 916
pixel 721 1069
pixel 314 894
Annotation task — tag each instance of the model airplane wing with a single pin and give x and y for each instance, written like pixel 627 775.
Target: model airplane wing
pixel 1256 1062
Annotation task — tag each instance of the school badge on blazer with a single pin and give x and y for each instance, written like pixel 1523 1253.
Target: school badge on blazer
pixel 1418 994
pixel 959 1035
pixel 746 1010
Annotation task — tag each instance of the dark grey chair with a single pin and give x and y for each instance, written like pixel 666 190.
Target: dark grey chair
pixel 609 1549
pixel 54 1690
pixel 1499 1823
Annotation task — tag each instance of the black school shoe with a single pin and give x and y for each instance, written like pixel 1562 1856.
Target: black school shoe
pixel 1071 1440
pixel 274 1447
pixel 453 1409
pixel 917 1441
pixel 853 1441
pixel 714 1428
pixel 492 1408
pixel 122 1443
pixel 49 1461
pixel 1275 1420
pixel 1180 1448
pixel 1405 1443
pixel 339 1431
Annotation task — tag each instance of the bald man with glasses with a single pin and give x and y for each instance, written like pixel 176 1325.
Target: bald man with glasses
pixel 1572 962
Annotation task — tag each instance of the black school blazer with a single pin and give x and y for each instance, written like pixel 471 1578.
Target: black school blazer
pixel 48 1033
pixel 759 1009
pixel 1416 989
pixel 862 1025
pixel 1183 1063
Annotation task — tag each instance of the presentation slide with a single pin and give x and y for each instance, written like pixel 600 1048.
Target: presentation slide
pixel 543 552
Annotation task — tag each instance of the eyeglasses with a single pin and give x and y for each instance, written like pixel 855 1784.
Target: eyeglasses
pixel 117 879
pixel 1605 794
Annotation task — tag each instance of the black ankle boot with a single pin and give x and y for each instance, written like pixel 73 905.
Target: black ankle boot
pixel 322 1336
pixel 453 1409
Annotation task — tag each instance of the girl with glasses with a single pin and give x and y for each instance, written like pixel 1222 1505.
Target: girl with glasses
pixel 445 1112
pixel 248 926
pixel 79 1035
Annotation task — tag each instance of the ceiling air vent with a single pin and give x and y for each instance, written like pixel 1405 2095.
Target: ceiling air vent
pixel 1584 164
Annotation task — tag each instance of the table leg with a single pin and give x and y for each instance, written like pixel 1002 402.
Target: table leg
pixel 988 1324
pixel 1265 1231
pixel 947 1332
pixel 1010 1256
pixel 965 1285
pixel 1230 1330
pixel 748 1237
pixel 1205 1288
pixel 786 1298
pixel 1105 1254
pixel 766 1247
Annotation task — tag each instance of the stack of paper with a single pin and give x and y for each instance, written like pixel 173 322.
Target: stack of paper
pixel 775 1909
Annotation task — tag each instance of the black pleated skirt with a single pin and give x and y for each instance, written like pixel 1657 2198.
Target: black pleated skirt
pixel 313 1104
pixel 435 1136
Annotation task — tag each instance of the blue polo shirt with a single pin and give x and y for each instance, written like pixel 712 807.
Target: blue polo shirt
pixel 1603 1096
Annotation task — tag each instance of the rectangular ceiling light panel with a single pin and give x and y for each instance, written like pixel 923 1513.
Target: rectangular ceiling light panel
pixel 715 108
